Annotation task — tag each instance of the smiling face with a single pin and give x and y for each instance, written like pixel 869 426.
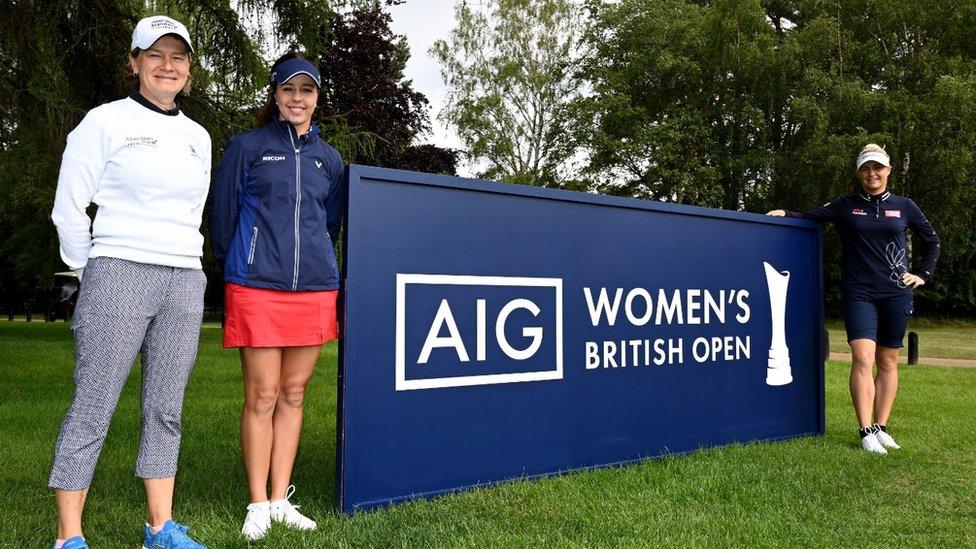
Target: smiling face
pixel 873 176
pixel 163 70
pixel 297 99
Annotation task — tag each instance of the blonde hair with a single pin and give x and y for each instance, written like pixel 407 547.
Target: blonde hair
pixel 873 147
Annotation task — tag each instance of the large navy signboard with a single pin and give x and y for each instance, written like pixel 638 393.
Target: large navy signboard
pixel 497 331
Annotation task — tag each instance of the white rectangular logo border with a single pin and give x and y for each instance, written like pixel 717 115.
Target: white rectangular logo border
pixel 402 279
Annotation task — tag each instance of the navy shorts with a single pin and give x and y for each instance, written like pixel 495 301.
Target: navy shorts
pixel 881 319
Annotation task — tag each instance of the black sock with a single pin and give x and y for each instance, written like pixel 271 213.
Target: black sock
pixel 865 431
pixel 882 428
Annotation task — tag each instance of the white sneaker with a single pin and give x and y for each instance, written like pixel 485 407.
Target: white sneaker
pixel 872 444
pixel 283 511
pixel 258 520
pixel 886 440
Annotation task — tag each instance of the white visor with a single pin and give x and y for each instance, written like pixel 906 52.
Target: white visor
pixel 873 156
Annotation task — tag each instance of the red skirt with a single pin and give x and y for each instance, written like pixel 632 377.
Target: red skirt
pixel 259 317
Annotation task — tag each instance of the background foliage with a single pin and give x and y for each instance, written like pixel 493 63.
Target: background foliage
pixel 760 104
pixel 738 104
pixel 508 66
pixel 60 59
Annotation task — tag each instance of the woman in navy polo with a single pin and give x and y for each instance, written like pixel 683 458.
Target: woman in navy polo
pixel 276 210
pixel 876 285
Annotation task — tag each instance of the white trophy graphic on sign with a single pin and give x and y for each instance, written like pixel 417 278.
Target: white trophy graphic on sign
pixel 778 370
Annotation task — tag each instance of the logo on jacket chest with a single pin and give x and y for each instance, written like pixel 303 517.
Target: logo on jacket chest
pixel 858 211
pixel 140 141
pixel 892 213
pixel 272 158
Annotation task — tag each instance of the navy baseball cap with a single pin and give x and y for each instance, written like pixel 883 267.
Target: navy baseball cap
pixel 293 67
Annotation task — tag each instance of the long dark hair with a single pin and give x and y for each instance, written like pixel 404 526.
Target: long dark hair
pixel 269 111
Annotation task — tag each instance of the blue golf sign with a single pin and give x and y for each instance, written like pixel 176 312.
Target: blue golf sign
pixel 497 332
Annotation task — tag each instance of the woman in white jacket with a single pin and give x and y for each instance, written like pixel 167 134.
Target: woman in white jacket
pixel 147 167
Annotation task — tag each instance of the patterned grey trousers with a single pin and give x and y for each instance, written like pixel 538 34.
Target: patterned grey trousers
pixel 124 308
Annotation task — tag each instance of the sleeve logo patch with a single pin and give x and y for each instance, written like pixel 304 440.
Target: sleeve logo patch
pixel 892 213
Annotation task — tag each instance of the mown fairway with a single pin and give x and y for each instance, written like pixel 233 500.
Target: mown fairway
pixel 815 491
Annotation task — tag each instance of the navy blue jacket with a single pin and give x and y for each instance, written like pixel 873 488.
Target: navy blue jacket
pixel 276 208
pixel 873 241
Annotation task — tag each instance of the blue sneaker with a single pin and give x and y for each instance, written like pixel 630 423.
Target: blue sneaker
pixel 76 542
pixel 172 536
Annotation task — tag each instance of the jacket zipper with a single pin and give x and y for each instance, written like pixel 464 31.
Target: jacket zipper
pixel 298 207
pixel 254 243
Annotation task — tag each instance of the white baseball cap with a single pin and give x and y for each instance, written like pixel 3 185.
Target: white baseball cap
pixel 873 156
pixel 150 29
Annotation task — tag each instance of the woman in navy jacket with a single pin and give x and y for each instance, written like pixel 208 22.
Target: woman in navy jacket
pixel 276 210
pixel 876 285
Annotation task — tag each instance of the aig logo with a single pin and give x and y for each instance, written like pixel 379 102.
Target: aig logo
pixel 455 331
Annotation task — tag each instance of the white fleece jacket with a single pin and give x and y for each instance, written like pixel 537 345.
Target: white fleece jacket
pixel 149 174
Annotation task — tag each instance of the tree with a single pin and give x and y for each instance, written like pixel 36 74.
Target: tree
pixel 901 76
pixel 759 104
pixel 509 69
pixel 60 59
pixel 363 85
pixel 683 96
pixel 428 158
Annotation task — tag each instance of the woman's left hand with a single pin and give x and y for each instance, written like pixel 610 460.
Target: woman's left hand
pixel 912 281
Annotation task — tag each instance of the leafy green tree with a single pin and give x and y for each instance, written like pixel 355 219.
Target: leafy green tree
pixel 60 59
pixel 509 69
pixel 901 74
pixel 363 84
pixel 760 104
pixel 684 93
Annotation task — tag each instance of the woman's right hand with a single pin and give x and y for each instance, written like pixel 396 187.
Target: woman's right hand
pixel 777 213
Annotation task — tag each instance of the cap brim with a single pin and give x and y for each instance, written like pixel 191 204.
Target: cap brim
pixel 296 73
pixel 873 157
pixel 181 37
pixel 174 34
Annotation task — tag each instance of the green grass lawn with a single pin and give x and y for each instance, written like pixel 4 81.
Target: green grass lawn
pixel 936 338
pixel 813 491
